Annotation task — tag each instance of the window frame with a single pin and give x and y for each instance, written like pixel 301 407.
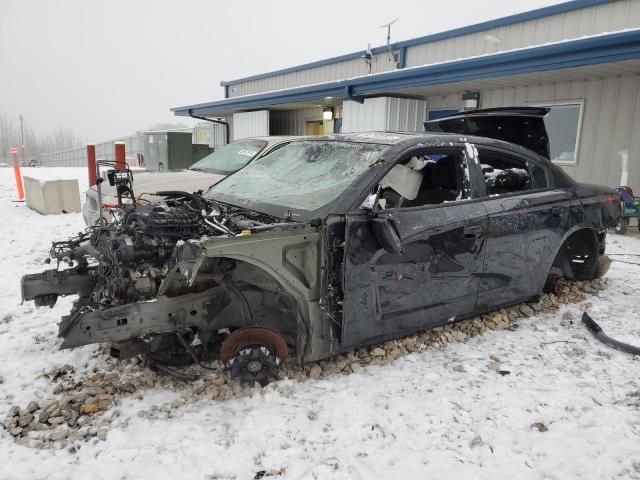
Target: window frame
pixel 516 157
pixel 559 103
pixel 474 194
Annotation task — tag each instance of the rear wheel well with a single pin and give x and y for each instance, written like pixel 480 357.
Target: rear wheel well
pixel 577 258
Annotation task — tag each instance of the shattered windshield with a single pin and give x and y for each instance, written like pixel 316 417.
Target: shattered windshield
pixel 303 175
pixel 230 158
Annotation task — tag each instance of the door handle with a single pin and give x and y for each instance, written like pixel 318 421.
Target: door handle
pixel 555 211
pixel 472 232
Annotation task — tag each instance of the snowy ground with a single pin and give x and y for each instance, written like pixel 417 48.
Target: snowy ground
pixel 442 413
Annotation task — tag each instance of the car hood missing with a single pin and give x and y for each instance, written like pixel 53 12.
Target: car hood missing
pixel 151 182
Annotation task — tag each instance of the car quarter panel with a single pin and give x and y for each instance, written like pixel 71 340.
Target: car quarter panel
pixel 601 205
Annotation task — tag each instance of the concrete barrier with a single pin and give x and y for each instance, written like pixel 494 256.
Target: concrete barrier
pixel 51 197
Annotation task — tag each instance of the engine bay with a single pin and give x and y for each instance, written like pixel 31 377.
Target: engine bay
pixel 127 259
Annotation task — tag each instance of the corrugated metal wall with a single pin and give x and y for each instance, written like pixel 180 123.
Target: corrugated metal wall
pixel 610 122
pixel 250 124
pixel 347 69
pixel 359 117
pixel 608 17
pixel 383 113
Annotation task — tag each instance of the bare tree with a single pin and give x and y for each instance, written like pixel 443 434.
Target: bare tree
pixel 9 136
pixel 35 143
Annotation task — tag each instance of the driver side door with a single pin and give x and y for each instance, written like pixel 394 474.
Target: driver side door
pixel 435 277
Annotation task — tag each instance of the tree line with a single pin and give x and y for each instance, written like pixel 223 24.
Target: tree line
pixel 35 143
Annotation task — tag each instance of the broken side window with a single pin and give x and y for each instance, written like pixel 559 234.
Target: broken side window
pixel 425 179
pixel 504 174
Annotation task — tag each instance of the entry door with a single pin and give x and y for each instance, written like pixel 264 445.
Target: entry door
pixel 432 282
pixel 314 128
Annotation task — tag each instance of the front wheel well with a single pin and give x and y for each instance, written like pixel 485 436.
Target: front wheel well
pixel 577 258
pixel 258 299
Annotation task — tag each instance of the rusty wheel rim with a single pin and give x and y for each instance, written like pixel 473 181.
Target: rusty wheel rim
pixel 253 336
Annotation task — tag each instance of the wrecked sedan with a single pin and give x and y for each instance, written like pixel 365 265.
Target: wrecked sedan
pixel 327 245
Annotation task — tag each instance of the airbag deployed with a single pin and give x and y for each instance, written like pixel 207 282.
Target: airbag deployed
pixel 403 180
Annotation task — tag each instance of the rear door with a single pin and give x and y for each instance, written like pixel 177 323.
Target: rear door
pixel 528 218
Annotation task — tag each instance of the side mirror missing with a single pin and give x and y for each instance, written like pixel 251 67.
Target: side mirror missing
pixel 386 234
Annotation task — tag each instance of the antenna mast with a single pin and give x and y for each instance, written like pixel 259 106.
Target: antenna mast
pixel 388 27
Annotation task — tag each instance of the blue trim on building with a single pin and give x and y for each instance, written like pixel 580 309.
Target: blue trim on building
pixel 478 27
pixel 595 50
pixel 402 57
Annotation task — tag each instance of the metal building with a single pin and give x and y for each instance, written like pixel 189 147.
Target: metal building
pixel 580 58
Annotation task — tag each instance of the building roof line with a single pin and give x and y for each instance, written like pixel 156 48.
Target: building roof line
pixel 603 48
pixel 456 32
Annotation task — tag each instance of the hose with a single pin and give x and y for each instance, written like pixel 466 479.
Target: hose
pixel 177 193
pixel 192 354
pixel 597 332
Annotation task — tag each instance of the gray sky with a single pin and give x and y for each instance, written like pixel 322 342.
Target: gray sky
pixel 109 68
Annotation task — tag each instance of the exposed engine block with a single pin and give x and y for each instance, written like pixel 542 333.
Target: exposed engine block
pixel 127 260
pixel 149 234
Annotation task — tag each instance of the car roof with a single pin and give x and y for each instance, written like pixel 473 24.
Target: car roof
pixel 386 137
pixel 398 140
pixel 392 138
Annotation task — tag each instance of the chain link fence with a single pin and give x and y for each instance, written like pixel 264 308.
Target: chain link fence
pixel 203 133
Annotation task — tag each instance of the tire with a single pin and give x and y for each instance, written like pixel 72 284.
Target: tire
pixel 621 226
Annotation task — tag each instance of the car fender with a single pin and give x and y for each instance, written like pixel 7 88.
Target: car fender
pixel 292 258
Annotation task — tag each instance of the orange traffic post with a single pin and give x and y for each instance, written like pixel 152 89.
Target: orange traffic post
pixel 121 163
pixel 91 164
pixel 16 172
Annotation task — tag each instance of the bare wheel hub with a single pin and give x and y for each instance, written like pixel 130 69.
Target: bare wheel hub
pixel 253 354
pixel 254 366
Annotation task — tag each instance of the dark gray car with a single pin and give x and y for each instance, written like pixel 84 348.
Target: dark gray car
pixel 333 243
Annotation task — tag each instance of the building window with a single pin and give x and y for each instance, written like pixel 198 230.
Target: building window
pixel 563 124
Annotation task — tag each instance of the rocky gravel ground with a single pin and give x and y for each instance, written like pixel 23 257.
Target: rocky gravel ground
pixel 500 396
pixel 84 407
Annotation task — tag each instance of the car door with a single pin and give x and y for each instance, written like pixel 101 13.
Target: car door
pixel 435 277
pixel 526 224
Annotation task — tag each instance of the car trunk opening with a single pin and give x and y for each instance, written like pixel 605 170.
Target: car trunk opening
pixel 523 126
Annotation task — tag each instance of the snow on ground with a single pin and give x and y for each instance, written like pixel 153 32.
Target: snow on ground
pixel 441 413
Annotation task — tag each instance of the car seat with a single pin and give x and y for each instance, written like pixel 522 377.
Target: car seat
pixel 441 182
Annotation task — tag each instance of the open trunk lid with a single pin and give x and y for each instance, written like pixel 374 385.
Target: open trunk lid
pixel 523 126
